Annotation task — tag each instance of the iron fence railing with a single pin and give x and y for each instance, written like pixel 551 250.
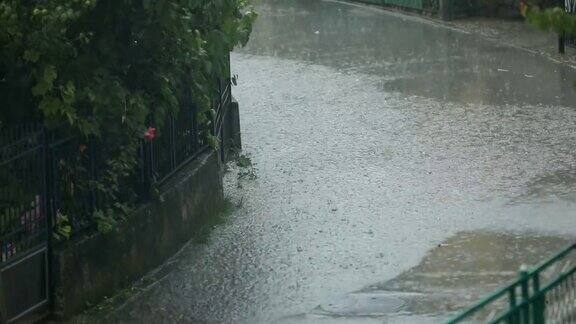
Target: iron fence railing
pixel 48 178
pixel 24 221
pixel 22 190
pixel 71 162
pixel 419 5
pixel 545 294
pixel 452 9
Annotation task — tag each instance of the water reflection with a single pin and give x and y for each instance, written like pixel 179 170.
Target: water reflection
pixel 414 58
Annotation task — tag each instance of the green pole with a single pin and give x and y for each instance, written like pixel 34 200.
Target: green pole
pixel 512 304
pixel 538 308
pixel 525 295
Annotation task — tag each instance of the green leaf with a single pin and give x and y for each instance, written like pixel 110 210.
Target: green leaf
pixel 31 56
pixel 50 74
pixel 50 105
pixel 68 93
pixel 213 141
pixel 46 83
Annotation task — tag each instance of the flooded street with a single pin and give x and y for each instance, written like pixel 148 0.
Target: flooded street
pixel 402 170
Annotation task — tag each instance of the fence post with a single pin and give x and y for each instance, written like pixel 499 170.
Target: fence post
pixel 525 318
pixel 539 306
pixel 222 113
pixel 445 9
pixel 561 44
pixel 225 98
pixel 172 139
pixel 92 174
pixel 49 212
pixel 512 304
pixel 192 108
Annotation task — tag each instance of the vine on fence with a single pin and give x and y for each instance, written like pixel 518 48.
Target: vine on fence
pixel 108 69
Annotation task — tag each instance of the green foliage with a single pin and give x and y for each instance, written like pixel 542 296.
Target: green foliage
pixel 106 221
pixel 62 228
pixel 244 161
pixel 213 141
pixel 247 169
pixel 552 18
pixel 107 69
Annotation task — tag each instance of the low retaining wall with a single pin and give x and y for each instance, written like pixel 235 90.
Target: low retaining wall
pixel 87 269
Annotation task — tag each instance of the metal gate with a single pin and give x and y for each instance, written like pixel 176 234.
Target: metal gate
pixel 24 223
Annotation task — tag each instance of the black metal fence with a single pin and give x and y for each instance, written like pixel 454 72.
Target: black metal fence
pixel 47 181
pixel 22 190
pixel 24 221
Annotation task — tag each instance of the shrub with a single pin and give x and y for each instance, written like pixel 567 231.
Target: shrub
pixel 107 69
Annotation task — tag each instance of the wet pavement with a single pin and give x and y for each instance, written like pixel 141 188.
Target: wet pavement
pixel 400 166
pixel 517 33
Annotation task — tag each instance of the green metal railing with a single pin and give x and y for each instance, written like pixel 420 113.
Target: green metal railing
pixel 545 294
pixel 421 5
pixel 454 8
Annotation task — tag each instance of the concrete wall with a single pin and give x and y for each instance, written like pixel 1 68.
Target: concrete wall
pixel 88 268
pixel 231 137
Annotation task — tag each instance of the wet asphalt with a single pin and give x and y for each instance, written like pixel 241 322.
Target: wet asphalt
pixel 376 137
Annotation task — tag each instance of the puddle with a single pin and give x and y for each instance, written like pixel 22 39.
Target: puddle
pixel 364 304
pixel 449 278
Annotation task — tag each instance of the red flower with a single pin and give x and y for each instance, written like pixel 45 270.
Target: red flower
pixel 150 134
